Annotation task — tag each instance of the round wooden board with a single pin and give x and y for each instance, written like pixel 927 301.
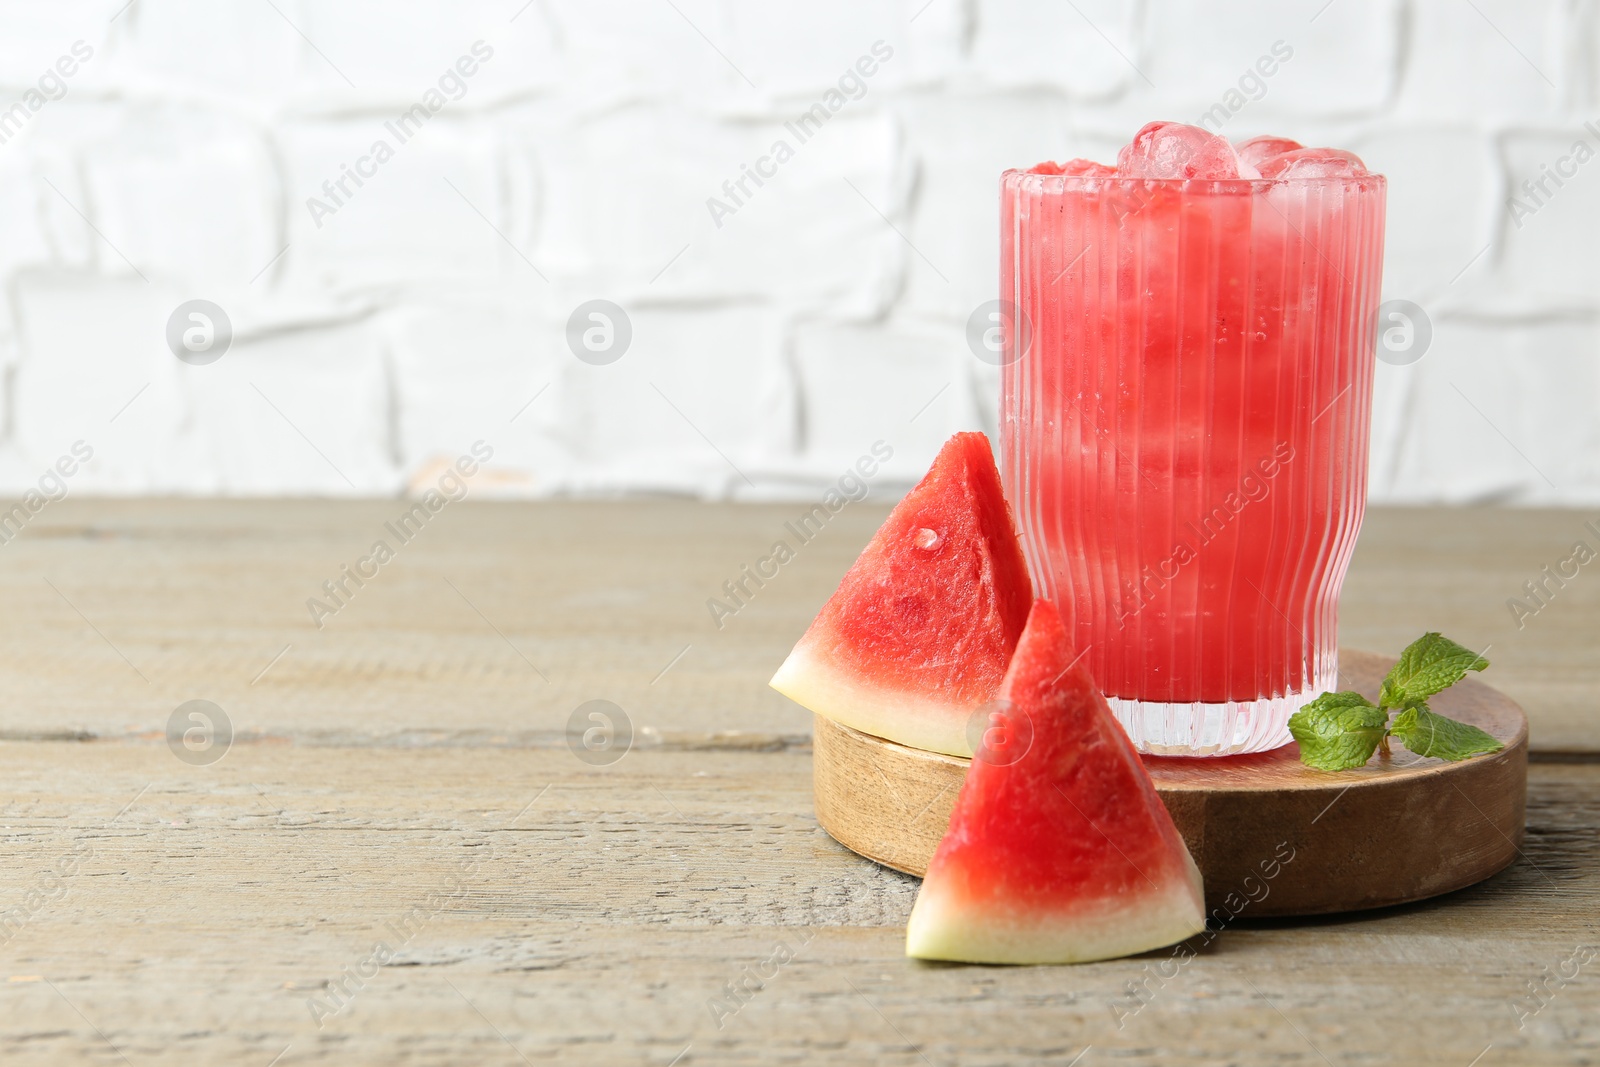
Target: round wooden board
pixel 1400 829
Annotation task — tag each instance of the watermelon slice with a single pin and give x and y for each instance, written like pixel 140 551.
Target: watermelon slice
pixel 1060 851
pixel 917 636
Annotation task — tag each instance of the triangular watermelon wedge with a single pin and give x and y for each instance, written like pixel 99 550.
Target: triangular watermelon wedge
pixel 1059 851
pixel 918 634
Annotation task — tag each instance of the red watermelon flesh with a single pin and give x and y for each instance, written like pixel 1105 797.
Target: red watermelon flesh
pixel 1061 852
pixel 918 634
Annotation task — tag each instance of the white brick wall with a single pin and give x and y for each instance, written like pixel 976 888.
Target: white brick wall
pixel 824 313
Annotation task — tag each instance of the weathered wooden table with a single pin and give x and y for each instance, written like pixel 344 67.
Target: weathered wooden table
pixel 399 859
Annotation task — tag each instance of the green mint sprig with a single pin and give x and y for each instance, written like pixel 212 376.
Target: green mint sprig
pixel 1338 731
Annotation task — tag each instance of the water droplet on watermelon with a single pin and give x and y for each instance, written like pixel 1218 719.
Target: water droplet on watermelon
pixel 927 539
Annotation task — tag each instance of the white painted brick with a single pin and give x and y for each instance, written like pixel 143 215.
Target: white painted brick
pixel 694 406
pixel 409 325
pixel 36 35
pixel 962 147
pixel 182 428
pixel 818 230
pixel 527 59
pixel 405 224
pixel 50 189
pixel 239 51
pixel 467 370
pixel 1441 205
pixel 27 243
pixel 901 384
pixel 281 411
pixel 805 50
pixel 404 49
pixel 627 193
pixel 983 401
pixel 625 49
pixel 936 41
pixel 187 196
pixel 1534 391
pixel 1017 43
pixel 1578 36
pixel 1488 60
pixel 1536 267
pixel 75 371
pixel 1346 61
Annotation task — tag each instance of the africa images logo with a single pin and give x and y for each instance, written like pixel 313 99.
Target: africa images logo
pixel 850 487
pixel 451 487
pixel 852 85
pixel 337 192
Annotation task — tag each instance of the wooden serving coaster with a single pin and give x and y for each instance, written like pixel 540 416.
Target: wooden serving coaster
pixel 1270 835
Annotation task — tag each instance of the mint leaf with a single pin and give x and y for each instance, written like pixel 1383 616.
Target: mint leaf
pixel 1338 731
pixel 1429 734
pixel 1430 664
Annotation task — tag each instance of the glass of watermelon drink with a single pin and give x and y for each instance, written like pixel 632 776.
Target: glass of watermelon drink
pixel 1186 391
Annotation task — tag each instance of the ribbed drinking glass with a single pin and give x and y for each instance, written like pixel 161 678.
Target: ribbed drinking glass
pixel 1185 409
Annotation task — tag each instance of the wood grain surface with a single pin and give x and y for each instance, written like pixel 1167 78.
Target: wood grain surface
pixel 1296 841
pixel 401 776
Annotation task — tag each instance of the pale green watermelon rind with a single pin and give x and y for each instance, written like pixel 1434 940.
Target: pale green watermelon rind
pixel 912 683
pixel 943 927
pixel 990 900
pixel 914 719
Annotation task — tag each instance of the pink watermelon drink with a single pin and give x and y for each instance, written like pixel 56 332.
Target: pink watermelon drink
pixel 1184 419
pixel 1059 849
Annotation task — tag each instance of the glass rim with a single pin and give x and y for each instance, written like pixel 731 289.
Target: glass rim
pixel 1084 182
